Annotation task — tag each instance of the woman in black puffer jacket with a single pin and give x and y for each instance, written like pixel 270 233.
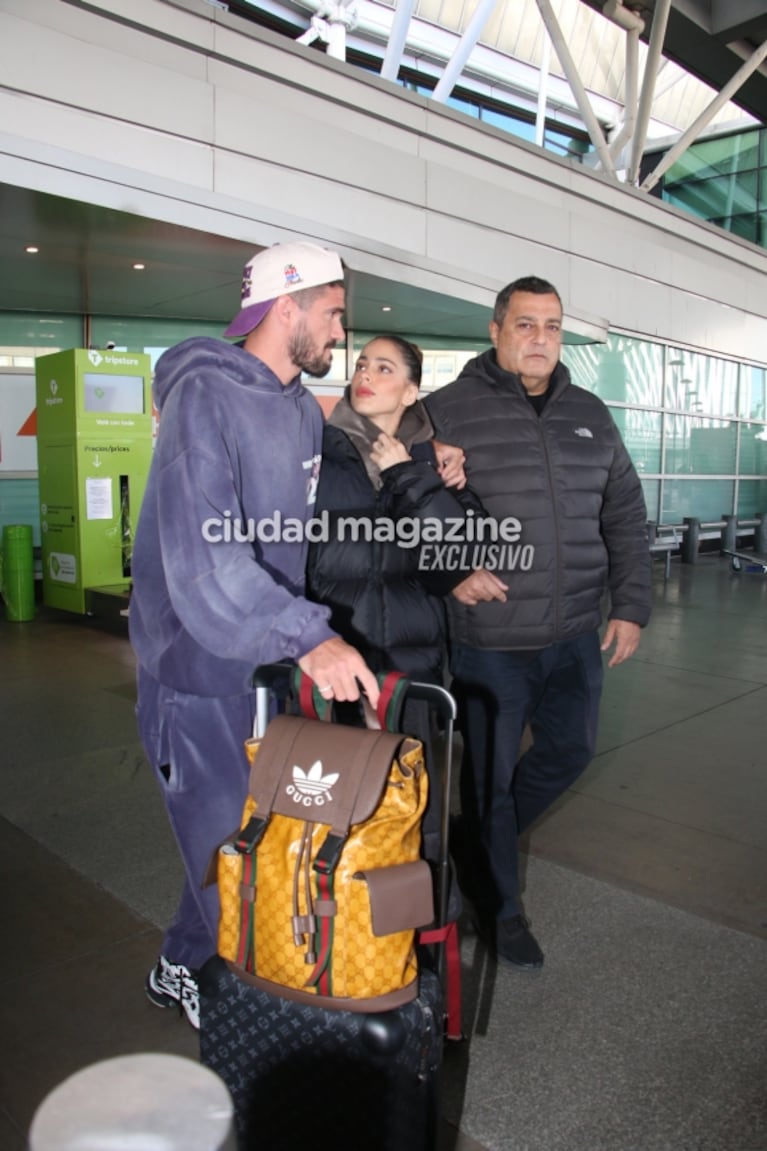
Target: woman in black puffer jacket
pixel 379 468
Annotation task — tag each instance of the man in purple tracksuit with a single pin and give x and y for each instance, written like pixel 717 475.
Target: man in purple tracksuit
pixel 216 592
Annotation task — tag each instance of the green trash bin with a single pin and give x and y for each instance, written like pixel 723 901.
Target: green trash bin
pixel 18 572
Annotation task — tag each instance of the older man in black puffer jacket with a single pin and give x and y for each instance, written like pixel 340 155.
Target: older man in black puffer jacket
pixel 524 631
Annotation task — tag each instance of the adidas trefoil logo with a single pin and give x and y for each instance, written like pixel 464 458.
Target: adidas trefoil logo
pixel 311 788
pixel 586 433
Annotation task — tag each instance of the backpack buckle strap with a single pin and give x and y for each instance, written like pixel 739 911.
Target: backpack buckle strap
pixel 251 835
pixel 326 859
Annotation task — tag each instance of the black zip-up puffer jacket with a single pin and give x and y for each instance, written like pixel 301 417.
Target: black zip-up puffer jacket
pixel 379 599
pixel 567 477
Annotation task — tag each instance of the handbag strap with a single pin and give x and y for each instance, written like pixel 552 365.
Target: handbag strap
pixel 393 687
pixel 447 935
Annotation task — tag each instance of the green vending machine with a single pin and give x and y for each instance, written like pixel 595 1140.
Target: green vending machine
pixel 94 447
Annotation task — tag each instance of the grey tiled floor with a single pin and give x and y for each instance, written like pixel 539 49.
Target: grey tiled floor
pixel 646 1030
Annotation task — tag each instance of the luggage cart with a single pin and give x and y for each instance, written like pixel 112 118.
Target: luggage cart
pixel 333 1079
pixel 746 561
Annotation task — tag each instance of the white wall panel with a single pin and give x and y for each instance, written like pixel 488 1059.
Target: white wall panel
pixel 644 304
pixel 142 152
pixel 258 99
pixel 689 277
pixel 701 323
pixel 495 257
pixel 66 69
pixel 333 147
pixel 296 68
pixel 322 207
pixel 167 24
pixel 507 205
pixel 166 19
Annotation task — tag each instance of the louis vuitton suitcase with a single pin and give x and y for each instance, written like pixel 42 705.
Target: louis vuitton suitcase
pixel 312 1075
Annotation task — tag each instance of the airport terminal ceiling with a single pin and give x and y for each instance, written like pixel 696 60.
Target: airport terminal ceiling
pixel 711 39
pixel 86 253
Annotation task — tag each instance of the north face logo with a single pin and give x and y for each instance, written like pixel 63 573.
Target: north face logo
pixel 586 433
pixel 311 788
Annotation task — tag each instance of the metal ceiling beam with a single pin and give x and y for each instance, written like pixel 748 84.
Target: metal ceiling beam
pixel 543 92
pixel 457 62
pixel 705 118
pixel 632 26
pixel 691 43
pixel 570 69
pixel 630 104
pixel 397 37
pixel 652 63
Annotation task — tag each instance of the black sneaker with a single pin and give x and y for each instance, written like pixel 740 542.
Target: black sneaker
pixel 173 985
pixel 516 944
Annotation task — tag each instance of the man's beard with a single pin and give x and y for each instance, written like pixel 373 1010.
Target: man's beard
pixel 304 354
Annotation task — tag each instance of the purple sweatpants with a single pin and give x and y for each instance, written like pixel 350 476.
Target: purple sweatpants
pixel 195 746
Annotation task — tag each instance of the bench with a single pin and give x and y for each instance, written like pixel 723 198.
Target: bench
pixel 686 538
pixel 663 541
pixel 726 531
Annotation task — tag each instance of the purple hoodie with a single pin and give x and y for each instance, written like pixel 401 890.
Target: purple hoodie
pixel 234 444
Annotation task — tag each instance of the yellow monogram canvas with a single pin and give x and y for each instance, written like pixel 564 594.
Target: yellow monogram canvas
pixel 327 901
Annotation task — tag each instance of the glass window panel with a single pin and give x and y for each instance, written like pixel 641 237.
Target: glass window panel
pixel 46 333
pixel 698 206
pixel 466 106
pixel 699 446
pixel 703 384
pixel 564 145
pixel 753 392
pixel 752 498
pixel 738 152
pixel 20 504
pixel 134 333
pixel 509 123
pixel 706 500
pixel 747 227
pixel 641 433
pixel 626 370
pixel 753 450
pixel 722 198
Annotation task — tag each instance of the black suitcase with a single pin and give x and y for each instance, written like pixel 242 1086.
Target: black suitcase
pixel 302 1076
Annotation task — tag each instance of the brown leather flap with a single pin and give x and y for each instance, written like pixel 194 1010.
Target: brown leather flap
pixel 401 897
pixel 323 772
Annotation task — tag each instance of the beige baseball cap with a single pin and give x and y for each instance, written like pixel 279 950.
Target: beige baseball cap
pixel 278 271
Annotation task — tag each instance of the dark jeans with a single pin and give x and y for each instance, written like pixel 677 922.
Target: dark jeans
pixel 556 690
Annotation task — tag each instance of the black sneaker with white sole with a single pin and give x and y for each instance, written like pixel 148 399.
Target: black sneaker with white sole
pixel 174 985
